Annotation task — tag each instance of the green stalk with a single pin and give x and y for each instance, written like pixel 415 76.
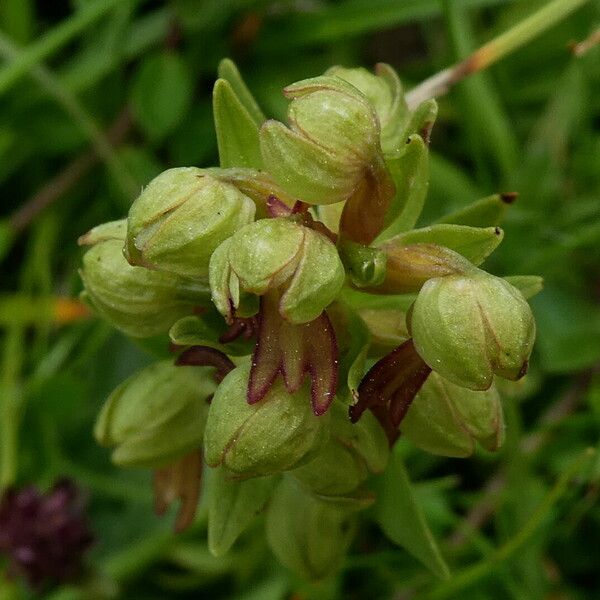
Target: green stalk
pixel 493 51
pixel 53 41
pixel 78 113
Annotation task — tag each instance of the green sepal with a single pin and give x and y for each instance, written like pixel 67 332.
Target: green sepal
pixel 422 120
pixel 528 285
pixel 474 243
pixel 136 300
pixel 228 70
pixel 496 326
pixel 113 230
pixel 486 212
pixel 156 415
pixel 353 452
pixel 365 266
pixel 303 168
pixel 232 506
pixel 158 446
pixel 264 438
pixel 447 420
pixel 236 129
pixel 307 534
pixel 159 235
pixel 409 171
pixel 205 330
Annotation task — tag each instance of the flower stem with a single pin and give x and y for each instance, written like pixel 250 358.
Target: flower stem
pixel 440 83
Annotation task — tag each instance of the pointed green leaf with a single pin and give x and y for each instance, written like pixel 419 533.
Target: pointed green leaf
pixel 228 70
pixel 528 285
pixel 486 212
pixel 422 119
pixel 161 93
pixel 474 243
pixel 402 519
pixel 232 507
pixel 409 170
pixel 237 131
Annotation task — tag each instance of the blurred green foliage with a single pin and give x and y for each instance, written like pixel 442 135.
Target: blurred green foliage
pixel 511 525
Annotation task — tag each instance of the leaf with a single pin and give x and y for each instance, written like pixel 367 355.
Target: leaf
pixel 486 212
pixel 232 507
pixel 237 131
pixel 228 70
pixel 161 93
pixel 409 172
pixel 474 243
pixel 402 519
pixel 528 285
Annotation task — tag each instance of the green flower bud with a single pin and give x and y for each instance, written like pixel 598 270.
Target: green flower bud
pixel 180 218
pixel 353 452
pixel 446 419
pixel 384 91
pixel 139 302
pixel 156 415
pixel 470 327
pixel 332 141
pixel 277 253
pixel 272 435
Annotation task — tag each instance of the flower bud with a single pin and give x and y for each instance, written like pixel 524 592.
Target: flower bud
pixel 156 415
pixel 446 419
pixel 409 267
pixel 384 91
pixel 353 452
pixel 273 253
pixel 139 302
pixel 180 218
pixel 470 327
pixel 270 436
pixel 333 139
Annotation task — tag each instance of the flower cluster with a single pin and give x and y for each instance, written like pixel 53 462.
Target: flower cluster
pixel 44 535
pixel 313 323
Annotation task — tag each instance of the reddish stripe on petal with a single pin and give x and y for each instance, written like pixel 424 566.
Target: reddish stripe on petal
pixel 322 357
pixel 266 357
pixel 390 386
pixel 293 351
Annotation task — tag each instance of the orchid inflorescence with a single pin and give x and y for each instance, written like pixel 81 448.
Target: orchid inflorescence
pixel 312 323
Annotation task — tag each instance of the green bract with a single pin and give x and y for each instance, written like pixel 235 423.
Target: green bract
pixel 332 140
pixel 277 253
pixel 267 437
pixel 447 419
pixel 156 415
pixel 470 327
pixel 140 302
pixel 180 218
pixel 352 453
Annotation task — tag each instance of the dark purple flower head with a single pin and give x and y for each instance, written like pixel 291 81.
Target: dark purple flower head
pixel 44 536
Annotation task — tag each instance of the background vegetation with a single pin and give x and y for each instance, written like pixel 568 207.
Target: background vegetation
pixel 98 96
